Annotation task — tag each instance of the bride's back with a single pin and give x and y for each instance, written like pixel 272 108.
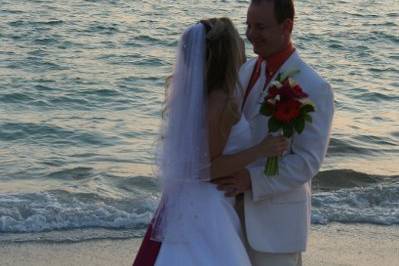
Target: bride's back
pixel 224 56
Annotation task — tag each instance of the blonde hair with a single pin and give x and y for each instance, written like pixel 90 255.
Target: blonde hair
pixel 225 55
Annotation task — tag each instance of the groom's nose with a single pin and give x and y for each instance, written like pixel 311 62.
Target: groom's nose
pixel 249 33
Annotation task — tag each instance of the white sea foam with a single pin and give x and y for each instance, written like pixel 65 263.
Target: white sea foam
pixel 376 204
pixel 59 210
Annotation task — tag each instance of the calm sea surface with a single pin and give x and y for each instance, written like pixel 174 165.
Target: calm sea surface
pixel 81 90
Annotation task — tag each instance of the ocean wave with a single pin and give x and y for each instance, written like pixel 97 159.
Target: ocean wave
pixel 361 145
pixel 333 180
pixel 339 196
pixel 62 210
pixel 77 173
pixel 48 133
pixel 24 23
pixel 103 29
pixel 16 97
pixel 376 204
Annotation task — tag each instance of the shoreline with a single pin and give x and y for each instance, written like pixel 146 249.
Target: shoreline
pixel 331 245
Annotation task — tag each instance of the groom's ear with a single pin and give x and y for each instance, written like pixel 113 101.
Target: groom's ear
pixel 288 26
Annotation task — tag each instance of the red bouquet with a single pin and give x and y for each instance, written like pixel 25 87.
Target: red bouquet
pixel 288 107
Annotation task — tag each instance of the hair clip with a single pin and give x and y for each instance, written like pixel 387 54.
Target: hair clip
pixel 206 24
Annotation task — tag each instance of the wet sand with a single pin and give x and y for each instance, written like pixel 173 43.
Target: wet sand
pixel 332 245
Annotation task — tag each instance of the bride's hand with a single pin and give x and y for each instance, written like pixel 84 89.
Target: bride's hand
pixel 273 146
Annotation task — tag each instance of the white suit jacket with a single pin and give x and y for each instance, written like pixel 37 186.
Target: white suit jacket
pixel 278 209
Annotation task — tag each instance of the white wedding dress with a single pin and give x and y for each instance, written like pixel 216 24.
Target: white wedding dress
pixel 221 247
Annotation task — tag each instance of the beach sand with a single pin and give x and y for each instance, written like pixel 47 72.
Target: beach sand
pixel 332 245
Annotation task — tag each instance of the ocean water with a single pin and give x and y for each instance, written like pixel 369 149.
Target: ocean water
pixel 81 91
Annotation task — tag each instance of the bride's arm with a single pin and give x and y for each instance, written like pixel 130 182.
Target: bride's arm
pixel 219 125
pixel 226 165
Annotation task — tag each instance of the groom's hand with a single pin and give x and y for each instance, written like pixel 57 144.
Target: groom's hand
pixel 233 185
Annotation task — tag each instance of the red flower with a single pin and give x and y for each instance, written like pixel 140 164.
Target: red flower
pixel 287 111
pixel 299 93
pixel 288 92
pixel 273 91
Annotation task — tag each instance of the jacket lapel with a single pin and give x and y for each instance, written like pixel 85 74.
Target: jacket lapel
pixel 245 74
pixel 244 77
pixel 254 95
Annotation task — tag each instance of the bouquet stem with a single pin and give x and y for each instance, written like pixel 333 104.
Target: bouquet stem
pixel 271 167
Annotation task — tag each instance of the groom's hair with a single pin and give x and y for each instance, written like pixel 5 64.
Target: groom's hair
pixel 283 9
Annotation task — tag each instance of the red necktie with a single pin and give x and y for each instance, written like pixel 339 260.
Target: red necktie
pixel 269 76
pixel 254 77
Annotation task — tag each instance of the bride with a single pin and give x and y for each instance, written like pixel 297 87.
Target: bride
pixel 204 137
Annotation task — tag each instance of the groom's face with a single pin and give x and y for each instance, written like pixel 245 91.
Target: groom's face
pixel 263 30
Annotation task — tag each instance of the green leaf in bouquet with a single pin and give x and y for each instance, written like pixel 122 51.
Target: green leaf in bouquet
pixel 307 108
pixel 308 118
pixel 266 109
pixel 288 131
pixel 274 125
pixel 299 124
pixel 278 78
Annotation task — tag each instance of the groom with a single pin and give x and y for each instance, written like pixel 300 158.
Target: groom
pixel 275 210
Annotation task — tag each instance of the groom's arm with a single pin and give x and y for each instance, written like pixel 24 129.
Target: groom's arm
pixel 307 153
